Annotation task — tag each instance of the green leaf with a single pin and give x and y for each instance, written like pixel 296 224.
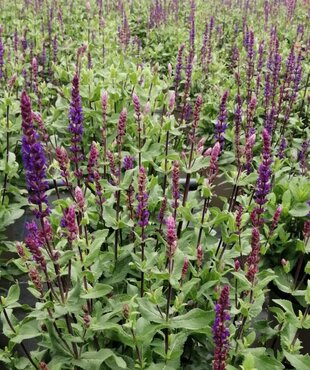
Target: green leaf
pixel 300 210
pixel 243 280
pixel 13 295
pixel 160 366
pixel 93 359
pixel 299 362
pixel 307 294
pixel 248 363
pixel 148 311
pixel 26 331
pixel 263 361
pixel 195 319
pixel 98 291
pixel 145 331
pixel 94 250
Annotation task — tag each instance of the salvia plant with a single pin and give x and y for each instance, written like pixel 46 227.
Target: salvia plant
pixel 155 193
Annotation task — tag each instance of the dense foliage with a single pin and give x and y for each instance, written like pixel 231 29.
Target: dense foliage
pixel 162 149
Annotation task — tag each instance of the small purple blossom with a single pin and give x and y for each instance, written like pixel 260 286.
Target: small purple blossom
pixel 185 268
pixel 221 123
pixel 34 242
pixel 79 198
pixel 121 128
pixel 175 184
pixel 69 222
pixel 92 161
pixel 128 162
pixel 275 220
pixel 76 125
pixel 253 258
pixel 1 57
pixel 63 160
pixel 171 236
pixel 264 172
pixel 302 157
pixel 162 210
pixel 238 123
pixel 282 147
pixel 142 197
pixel 220 330
pixel 199 255
pixel 178 69
pixel 250 141
pixel 34 159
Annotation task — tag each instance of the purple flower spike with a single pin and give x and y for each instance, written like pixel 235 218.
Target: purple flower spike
pixel 121 126
pixel 162 210
pixel 33 159
pixel 275 219
pixel 253 258
pixel 92 161
pixel 79 198
pixel 220 330
pixel 250 141
pixel 221 124
pixel 238 123
pixel 76 125
pixel 302 157
pixel 142 197
pixel 171 236
pixel 55 49
pixel 178 69
pixel 34 242
pixel 264 172
pixel 185 268
pixel 129 162
pixel 63 160
pixel 69 222
pixel 175 184
pixel 1 57
pixel 282 147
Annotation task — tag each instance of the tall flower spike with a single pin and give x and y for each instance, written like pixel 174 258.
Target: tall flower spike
pixel 238 218
pixel 63 160
pixel 33 159
pixel 113 169
pixel 250 141
pixel 69 222
pixel 253 258
pixel 34 242
pixel 275 220
pixel 171 236
pixel 162 210
pixel 213 167
pixel 185 268
pixel 197 110
pixel 121 126
pixel 221 124
pixel 35 278
pixel 92 161
pixel 79 198
pixel 128 162
pixel 1 57
pixel 175 184
pixel 76 125
pixel 199 255
pixel 178 69
pixel 220 330
pixel 142 197
pixel 264 172
pixel 238 123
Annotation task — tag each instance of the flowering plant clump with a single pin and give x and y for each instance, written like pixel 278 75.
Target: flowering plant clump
pixel 159 152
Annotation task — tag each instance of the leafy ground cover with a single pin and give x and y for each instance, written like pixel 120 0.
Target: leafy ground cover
pixel 162 148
